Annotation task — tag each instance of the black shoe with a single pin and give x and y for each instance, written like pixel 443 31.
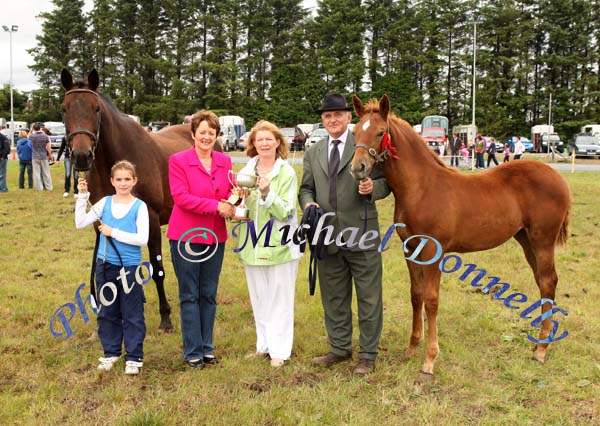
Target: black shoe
pixel 195 363
pixel 210 360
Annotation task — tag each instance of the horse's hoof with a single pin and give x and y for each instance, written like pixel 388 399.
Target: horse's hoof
pixel 424 378
pixel 166 328
pixel 538 358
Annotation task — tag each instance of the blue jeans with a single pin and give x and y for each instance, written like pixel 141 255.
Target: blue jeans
pixel 121 318
pixel 25 165
pixel 68 171
pixel 198 282
pixel 3 187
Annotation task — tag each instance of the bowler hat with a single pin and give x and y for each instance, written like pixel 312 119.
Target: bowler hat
pixel 333 102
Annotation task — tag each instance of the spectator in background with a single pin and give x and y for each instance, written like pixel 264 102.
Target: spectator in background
pixel 491 150
pixel 4 153
pixel 454 150
pixel 64 147
pixel 24 151
pixel 465 154
pixel 479 150
pixel 443 146
pixel 40 158
pixel 519 148
pixel 506 153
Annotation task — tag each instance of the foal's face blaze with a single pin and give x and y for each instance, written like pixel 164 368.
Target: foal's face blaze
pixel 369 132
pixel 81 112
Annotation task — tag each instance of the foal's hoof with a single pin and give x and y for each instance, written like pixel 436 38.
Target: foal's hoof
pixel 539 358
pixel 424 378
pixel 165 327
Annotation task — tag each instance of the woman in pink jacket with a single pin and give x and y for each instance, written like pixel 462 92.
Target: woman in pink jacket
pixel 199 184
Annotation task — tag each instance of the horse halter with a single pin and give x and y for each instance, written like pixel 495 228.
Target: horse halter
pixel 385 145
pixel 94 136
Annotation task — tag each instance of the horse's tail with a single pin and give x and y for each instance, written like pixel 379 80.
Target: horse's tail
pixel 563 234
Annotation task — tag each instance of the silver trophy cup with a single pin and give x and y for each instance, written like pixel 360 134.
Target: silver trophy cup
pixel 240 181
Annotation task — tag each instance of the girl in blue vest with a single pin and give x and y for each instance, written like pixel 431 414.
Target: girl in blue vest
pixel 124 228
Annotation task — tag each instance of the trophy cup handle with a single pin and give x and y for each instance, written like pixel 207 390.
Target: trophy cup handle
pixel 231 178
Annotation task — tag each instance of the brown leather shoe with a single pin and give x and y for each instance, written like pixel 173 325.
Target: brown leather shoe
pixel 365 366
pixel 330 359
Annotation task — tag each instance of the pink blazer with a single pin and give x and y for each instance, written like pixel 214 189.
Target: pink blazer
pixel 196 195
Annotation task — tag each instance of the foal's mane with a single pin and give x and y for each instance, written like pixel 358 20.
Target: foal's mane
pixel 405 131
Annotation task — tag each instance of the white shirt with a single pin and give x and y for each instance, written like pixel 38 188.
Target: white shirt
pixel 118 210
pixel 340 146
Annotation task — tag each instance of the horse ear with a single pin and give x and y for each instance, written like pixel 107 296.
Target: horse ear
pixel 93 80
pixel 384 106
pixel 66 79
pixel 358 106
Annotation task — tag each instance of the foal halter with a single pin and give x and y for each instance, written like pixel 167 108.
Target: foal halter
pixel 387 149
pixel 94 136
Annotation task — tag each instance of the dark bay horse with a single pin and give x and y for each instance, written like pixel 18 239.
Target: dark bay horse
pixel 100 135
pixel 456 209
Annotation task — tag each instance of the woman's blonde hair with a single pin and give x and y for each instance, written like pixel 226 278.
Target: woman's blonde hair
pixel 22 134
pixel 282 150
pixel 123 165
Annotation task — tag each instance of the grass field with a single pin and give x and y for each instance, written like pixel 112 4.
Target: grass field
pixel 484 374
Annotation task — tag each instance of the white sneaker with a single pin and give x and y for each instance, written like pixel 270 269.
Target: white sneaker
pixel 133 367
pixel 106 364
pixel 65 195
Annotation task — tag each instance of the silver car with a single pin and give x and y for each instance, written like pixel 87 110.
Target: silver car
pixel 585 145
pixel 315 137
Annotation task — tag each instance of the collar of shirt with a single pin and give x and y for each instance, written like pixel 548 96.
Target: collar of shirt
pixel 340 146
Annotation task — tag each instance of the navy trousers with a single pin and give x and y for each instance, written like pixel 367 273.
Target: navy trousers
pixel 121 312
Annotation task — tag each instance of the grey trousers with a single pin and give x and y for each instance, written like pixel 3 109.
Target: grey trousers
pixel 336 272
pixel 41 175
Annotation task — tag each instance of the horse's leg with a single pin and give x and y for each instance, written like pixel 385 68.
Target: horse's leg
pixel 547 283
pixel 158 272
pixel 431 298
pixel 416 299
pixel 541 260
pixel 523 240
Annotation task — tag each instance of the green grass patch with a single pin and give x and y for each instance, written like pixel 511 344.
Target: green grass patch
pixel 484 374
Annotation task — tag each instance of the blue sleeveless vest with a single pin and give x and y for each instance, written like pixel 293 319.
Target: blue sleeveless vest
pixel 131 255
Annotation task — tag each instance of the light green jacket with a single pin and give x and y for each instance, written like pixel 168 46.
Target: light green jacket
pixel 280 205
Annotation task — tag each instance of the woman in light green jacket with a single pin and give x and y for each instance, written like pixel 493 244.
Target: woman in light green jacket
pixel 271 265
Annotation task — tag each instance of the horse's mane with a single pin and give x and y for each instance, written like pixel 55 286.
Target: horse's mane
pixel 404 128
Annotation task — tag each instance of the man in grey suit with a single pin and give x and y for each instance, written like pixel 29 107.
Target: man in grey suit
pixel 327 183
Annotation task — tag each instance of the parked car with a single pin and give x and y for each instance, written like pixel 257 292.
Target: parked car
pixel 315 137
pixel 228 138
pixel 6 132
pixel 57 133
pixel 243 140
pixel 584 145
pixel 525 141
pixel 295 137
pixel 554 142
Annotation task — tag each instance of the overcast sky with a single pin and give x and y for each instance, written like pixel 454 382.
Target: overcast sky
pixel 23 13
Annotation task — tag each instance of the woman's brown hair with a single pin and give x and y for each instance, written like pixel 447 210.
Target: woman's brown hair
pixel 208 116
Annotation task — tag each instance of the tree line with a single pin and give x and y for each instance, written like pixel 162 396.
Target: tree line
pixel 274 59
